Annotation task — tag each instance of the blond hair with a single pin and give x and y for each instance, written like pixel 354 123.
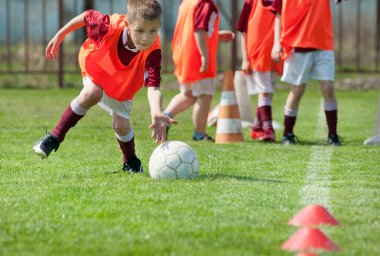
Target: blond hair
pixel 143 10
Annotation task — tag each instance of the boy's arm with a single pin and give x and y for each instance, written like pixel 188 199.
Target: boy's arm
pixel 244 55
pixel 201 41
pixel 159 120
pixel 53 45
pixel 277 48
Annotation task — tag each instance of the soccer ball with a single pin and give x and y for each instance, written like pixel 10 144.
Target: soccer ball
pixel 173 160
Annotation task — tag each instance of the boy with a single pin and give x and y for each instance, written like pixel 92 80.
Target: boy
pixel 119 51
pixel 304 37
pixel 256 25
pixel 194 47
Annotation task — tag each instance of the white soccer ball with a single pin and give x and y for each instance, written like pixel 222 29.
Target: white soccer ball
pixel 173 160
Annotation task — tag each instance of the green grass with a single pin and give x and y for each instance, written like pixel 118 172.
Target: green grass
pixel 240 205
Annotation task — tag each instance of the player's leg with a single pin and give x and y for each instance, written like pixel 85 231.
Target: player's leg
pixel 126 138
pixel 265 85
pixel 204 90
pixel 296 73
pixel 323 70
pixel 89 96
pixel 180 102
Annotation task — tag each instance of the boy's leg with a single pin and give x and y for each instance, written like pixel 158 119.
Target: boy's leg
pixel 126 138
pixel 291 112
pixel 179 103
pixel 200 114
pixel 331 111
pixel 89 96
pixel 265 109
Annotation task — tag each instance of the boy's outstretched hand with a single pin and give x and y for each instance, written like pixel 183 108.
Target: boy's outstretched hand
pixel 159 124
pixel 52 48
pixel 226 35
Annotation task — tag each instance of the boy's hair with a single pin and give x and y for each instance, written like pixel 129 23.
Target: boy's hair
pixel 143 10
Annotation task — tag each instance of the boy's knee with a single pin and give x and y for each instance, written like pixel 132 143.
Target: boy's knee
pixel 93 93
pixel 121 127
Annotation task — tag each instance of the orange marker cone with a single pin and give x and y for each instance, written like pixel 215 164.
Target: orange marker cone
pixel 229 127
pixel 309 239
pixel 312 216
pixel 306 254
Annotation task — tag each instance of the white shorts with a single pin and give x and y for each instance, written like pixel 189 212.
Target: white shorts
pixel 120 108
pixel 260 82
pixel 201 87
pixel 299 68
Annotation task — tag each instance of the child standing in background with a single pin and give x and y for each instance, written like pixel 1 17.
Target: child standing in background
pixel 119 52
pixel 256 25
pixel 194 47
pixel 305 39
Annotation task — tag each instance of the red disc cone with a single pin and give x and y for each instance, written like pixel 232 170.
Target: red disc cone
pixel 309 239
pixel 313 215
pixel 306 254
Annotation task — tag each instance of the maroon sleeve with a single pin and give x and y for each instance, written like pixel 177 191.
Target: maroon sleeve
pixel 242 25
pixel 97 24
pixel 153 67
pixel 202 14
pixel 277 6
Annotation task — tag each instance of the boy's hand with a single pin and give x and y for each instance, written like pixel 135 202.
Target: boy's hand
pixel 204 67
pixel 53 47
pixel 159 124
pixel 246 67
pixel 276 52
pixel 226 35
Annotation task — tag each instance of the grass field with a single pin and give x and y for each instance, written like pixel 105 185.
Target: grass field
pixel 240 205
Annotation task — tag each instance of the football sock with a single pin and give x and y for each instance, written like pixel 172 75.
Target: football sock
pixel 289 120
pixel 257 124
pixel 266 117
pixel 69 119
pixel 331 112
pixel 127 145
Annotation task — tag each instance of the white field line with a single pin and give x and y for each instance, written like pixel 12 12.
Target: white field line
pixel 316 189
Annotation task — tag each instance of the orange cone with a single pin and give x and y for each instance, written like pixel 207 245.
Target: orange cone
pixel 306 254
pixel 312 216
pixel 229 127
pixel 309 239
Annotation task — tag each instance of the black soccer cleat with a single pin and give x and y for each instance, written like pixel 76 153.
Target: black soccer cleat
pixel 205 137
pixel 334 140
pixel 289 139
pixel 133 165
pixel 45 145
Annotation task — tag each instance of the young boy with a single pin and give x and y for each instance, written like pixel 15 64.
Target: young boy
pixel 304 38
pixel 194 47
pixel 119 52
pixel 256 25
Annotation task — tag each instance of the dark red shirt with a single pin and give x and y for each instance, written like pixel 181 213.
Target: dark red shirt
pixel 97 25
pixel 202 15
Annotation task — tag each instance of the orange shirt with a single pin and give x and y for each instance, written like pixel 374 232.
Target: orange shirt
pixel 260 37
pixel 306 24
pixel 186 56
pixel 99 61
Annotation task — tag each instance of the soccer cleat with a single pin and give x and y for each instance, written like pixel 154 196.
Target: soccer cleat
pixel 334 140
pixel 205 137
pixel 45 145
pixel 133 165
pixel 257 133
pixel 269 136
pixel 289 139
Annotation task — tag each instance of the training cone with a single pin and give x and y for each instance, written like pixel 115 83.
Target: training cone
pixel 312 216
pixel 309 239
pixel 243 98
pixel 306 254
pixel 229 127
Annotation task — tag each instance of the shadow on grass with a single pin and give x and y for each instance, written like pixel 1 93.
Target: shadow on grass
pixel 222 176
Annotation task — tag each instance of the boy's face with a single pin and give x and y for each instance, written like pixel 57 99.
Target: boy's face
pixel 143 33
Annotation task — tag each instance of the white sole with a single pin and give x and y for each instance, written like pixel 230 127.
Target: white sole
pixel 38 151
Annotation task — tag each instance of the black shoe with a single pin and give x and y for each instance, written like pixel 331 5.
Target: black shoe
pixel 167 132
pixel 334 140
pixel 45 145
pixel 205 137
pixel 133 164
pixel 289 139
